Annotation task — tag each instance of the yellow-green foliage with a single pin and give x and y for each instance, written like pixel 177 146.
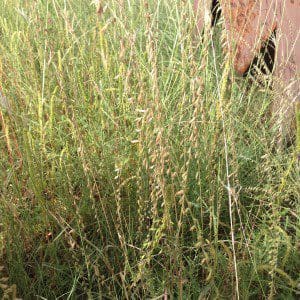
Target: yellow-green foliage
pixel 133 164
pixel 298 127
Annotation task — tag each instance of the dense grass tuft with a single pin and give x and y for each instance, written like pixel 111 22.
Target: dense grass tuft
pixel 134 164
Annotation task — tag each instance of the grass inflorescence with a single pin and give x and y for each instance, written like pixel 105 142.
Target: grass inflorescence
pixel 134 164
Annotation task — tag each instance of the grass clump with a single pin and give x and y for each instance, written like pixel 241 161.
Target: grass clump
pixel 133 163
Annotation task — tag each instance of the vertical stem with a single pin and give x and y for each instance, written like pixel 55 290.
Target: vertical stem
pixel 223 90
pixel 298 129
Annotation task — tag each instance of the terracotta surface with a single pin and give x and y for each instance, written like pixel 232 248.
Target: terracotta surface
pixel 202 9
pixel 288 48
pixel 249 23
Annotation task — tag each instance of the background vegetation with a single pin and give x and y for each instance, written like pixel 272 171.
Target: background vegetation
pixel 134 164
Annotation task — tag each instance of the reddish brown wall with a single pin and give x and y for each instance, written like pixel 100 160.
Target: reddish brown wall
pixel 249 23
